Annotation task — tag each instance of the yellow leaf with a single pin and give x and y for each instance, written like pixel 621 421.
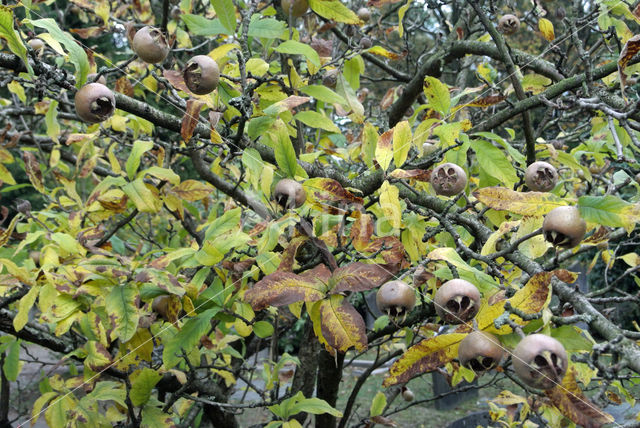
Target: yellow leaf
pixel 384 150
pixel 529 203
pixel 401 142
pixel 390 204
pixel 546 28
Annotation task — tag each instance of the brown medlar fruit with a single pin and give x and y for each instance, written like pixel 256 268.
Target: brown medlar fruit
pixel 364 14
pixel 480 351
pixel 564 227
pixel 457 301
pixel 150 45
pixel 36 44
pixel 637 178
pixel 296 8
pixel 448 179
pixel 408 395
pixel 395 298
pixel 508 24
pixel 428 148
pixel 91 78
pixel 201 74
pixel 330 78
pixel 540 361
pixel 94 102
pixel 541 176
pixel 365 43
pixel 289 193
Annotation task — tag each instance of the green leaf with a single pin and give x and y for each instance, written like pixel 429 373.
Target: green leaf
pixel 24 306
pixel 66 242
pixel 315 406
pixel 293 47
pixel 227 222
pixel 334 10
pixel 571 338
pixel 51 120
pixel 438 94
pixel 259 125
pixel 401 142
pixel 284 152
pixel 226 12
pixel 188 337
pixel 142 386
pixel 201 26
pixel 109 391
pixel 268 28
pixel 11 365
pixel 316 120
pixel 120 303
pixel 484 282
pixel 263 329
pixel 378 404
pixel 164 174
pixel 153 417
pixel 143 198
pixel 495 162
pixel 610 211
pixel 324 94
pixel 133 162
pixel 8 33
pixel 77 55
pixel 352 70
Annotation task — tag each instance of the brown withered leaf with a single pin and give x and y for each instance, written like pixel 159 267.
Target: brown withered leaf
pixel 359 276
pixel 380 51
pixel 565 275
pixel 342 326
pixel 87 32
pixel 214 118
pixel 630 49
pixel 388 98
pixel 327 190
pixel 361 232
pixel 483 102
pixel 573 404
pixel 394 250
pixel 238 268
pixel 387 422
pixel 600 235
pixel 425 356
pixel 284 288
pixel 190 119
pixel 289 254
pixel 32 168
pixel 636 11
pixel 124 86
pixel 416 174
pixel 176 79
pixel 380 3
pixel 319 273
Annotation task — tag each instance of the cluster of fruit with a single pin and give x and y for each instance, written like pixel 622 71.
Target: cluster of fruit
pixel 95 102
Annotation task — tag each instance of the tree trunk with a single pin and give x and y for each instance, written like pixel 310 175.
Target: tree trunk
pixel 329 376
pixel 305 378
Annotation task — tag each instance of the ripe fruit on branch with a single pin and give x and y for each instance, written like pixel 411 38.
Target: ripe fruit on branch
pixel 564 227
pixel 94 102
pixel 150 45
pixel 407 394
pixel 365 43
pixel 395 298
pixel 160 306
pixel 289 193
pixel 448 179
pixel 457 301
pixel 428 148
pixel 508 24
pixel 540 361
pixel 480 351
pixel 541 177
pixel 330 78
pixel 201 74
pixel 36 44
pixel 296 8
pixel 364 14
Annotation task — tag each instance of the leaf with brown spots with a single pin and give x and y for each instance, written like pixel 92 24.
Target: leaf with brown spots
pixel 416 174
pixel 98 358
pixel 327 190
pixel 85 33
pixel 176 79
pixel 32 168
pixel 284 288
pixel 342 326
pixel 384 149
pixel 190 119
pixel 124 86
pixel 573 404
pixel 424 357
pixel 359 276
pixel 630 49
pixel 289 254
pixel 523 203
pixel 361 232
pixel 193 190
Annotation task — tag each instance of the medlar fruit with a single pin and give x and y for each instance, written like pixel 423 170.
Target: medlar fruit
pixel 541 177
pixel 150 45
pixel 457 301
pixel 201 74
pixel 564 227
pixel 395 298
pixel 296 8
pixel 540 361
pixel 428 148
pixel 480 351
pixel 289 193
pixel 330 78
pixel 365 43
pixel 408 395
pixel 36 44
pixel 364 14
pixel 94 102
pixel 448 179
pixel 508 24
